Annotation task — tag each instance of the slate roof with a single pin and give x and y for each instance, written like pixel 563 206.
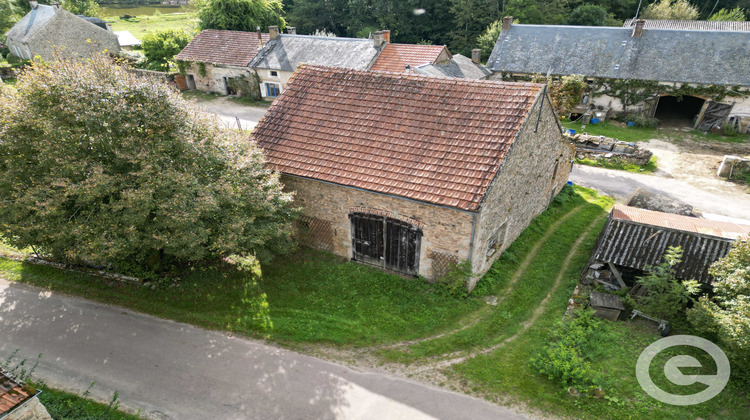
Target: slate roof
pixel 395 57
pixel 127 39
pixel 12 394
pixel 458 66
pixel 31 23
pixel 667 55
pixel 638 238
pixel 230 48
pixel 94 20
pixel 701 25
pixel 286 52
pixel 433 139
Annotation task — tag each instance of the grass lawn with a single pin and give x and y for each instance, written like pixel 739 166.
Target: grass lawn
pixel 307 297
pixel 650 167
pixel 63 405
pixel 635 134
pixel 142 25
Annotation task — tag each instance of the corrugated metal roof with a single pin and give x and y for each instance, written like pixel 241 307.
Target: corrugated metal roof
pixel 726 230
pixel 639 245
pixel 693 25
pixel 664 55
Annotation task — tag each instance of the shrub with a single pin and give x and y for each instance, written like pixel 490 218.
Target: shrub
pixel 573 344
pixel 665 297
pixel 639 120
pixel 102 165
pixel 161 47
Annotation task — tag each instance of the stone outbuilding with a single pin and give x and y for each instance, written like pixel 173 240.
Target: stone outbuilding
pixel 278 59
pixel 414 173
pixel 217 60
pixel 48 30
pixel 687 75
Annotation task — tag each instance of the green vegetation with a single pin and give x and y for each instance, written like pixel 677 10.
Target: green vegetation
pixel 618 164
pixel 161 47
pixel 63 405
pixel 240 15
pixel 122 171
pixel 615 130
pixel 142 25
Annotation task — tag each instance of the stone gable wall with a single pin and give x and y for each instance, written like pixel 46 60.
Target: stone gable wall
pixel 70 35
pixel 523 187
pixel 213 81
pixel 445 231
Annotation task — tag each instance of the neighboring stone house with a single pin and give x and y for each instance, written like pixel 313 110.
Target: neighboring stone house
pixel 634 239
pixel 684 75
pixel 278 59
pixel 18 401
pixel 398 57
pixel 411 173
pixel 458 66
pixel 47 30
pixel 214 59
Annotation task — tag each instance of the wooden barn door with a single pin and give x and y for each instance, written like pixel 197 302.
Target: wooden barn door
pixel 386 243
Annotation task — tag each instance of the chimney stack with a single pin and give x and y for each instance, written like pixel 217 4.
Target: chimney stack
pixel 476 55
pixel 273 31
pixel 638 30
pixel 291 30
pixel 507 22
pixel 260 36
pixel 377 39
pixel 386 36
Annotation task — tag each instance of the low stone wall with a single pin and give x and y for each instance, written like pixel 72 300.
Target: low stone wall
pixel 598 147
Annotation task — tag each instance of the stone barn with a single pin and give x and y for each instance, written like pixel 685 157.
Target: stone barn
pixel 47 30
pixel 414 173
pixel 217 60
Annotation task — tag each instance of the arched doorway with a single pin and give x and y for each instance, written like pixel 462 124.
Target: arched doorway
pixel 678 112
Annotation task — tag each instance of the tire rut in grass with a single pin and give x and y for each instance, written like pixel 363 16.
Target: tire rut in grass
pixel 517 274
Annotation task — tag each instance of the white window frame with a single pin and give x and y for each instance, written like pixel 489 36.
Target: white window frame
pixel 264 91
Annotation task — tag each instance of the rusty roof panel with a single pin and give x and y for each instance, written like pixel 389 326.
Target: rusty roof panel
pixel 431 139
pixel 636 245
pixel 231 48
pixel 726 230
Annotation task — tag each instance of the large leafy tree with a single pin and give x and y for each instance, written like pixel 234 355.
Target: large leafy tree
pixel 77 7
pixel 99 164
pixel 726 316
pixel 161 47
pixel 736 14
pixel 240 15
pixel 9 15
pixel 671 9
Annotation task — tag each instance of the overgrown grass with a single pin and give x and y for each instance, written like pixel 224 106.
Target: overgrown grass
pixel 534 283
pixel 307 297
pixel 142 25
pixel 11 82
pixel 623 133
pixel 649 167
pixel 63 405
pixel 200 96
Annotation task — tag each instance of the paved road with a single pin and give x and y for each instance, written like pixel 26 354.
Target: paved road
pixel 622 184
pixel 173 370
pixel 229 111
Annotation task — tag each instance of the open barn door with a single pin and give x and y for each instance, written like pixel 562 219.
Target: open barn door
pixel 715 115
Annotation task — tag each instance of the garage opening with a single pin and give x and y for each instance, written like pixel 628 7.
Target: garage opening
pixel 678 112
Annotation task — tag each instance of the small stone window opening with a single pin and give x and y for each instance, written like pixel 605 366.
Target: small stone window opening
pixel 554 171
pixel 497 240
pixel 274 73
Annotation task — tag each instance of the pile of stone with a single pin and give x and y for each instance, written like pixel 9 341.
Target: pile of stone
pixel 601 147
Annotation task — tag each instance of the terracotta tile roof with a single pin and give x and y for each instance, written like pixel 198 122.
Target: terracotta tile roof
pixel 231 48
pixel 12 394
pixel 395 57
pixel 433 139
pixel 678 222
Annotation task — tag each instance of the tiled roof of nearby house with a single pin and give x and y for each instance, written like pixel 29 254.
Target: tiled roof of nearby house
pixel 395 57
pixel 12 394
pixel 458 66
pixel 704 57
pixel 127 39
pixel 678 222
pixel 286 52
pixel 30 24
pixel 230 48
pixel 694 25
pixel 638 238
pixel 432 139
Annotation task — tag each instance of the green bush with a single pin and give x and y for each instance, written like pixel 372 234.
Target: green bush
pixel 639 120
pixel 121 170
pixel 574 343
pixel 161 47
